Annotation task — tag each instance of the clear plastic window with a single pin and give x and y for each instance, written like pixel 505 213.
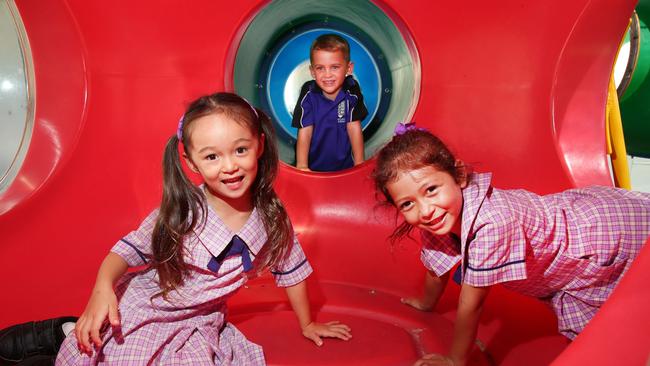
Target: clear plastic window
pixel 16 93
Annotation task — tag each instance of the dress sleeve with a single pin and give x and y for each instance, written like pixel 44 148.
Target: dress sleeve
pixel 439 253
pixel 135 247
pixel 496 252
pixel 359 110
pixel 294 269
pixel 303 115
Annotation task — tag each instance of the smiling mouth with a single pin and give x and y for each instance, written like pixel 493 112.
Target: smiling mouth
pixel 436 221
pixel 232 180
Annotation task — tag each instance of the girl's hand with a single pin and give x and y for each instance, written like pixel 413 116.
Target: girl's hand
pixel 102 304
pixel 334 329
pixel 434 359
pixel 418 303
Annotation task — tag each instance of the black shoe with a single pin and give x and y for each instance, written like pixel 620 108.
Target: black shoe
pixel 42 338
pixel 38 361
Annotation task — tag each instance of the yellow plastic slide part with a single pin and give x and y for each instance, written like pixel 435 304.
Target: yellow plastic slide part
pixel 615 138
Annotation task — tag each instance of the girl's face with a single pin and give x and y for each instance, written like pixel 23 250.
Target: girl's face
pixel 429 199
pixel 225 153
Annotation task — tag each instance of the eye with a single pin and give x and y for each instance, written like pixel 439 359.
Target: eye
pixel 405 205
pixel 241 150
pixel 431 189
pixel 211 157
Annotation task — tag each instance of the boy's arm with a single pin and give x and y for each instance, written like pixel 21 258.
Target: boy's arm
pixel 302 147
pixel 299 300
pixel 434 286
pixel 356 140
pixel 303 120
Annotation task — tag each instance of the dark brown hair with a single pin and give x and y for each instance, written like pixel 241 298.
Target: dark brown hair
pixel 332 43
pixel 412 150
pixel 183 206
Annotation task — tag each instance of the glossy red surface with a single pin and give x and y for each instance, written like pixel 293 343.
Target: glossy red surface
pixel 515 87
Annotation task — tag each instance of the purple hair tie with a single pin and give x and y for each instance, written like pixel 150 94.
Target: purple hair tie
pixel 179 131
pixel 404 127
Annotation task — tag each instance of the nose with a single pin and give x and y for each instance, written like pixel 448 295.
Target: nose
pixel 426 211
pixel 228 165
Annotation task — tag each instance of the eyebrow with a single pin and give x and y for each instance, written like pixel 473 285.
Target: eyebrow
pixel 427 184
pixel 239 140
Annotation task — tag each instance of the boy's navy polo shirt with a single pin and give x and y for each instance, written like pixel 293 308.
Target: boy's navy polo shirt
pixel 330 148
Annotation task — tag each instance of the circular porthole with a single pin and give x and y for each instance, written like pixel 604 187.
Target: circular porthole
pixel 272 63
pixel 628 56
pixel 16 94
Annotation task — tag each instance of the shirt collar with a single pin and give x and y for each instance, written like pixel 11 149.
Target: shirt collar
pixel 253 233
pixel 473 196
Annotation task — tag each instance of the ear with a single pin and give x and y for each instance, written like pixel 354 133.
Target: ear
pixel 262 142
pixel 463 173
pixel 190 164
pixel 350 68
pixel 311 71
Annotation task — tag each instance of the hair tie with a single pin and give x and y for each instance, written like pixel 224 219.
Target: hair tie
pixel 252 108
pixel 404 127
pixel 179 131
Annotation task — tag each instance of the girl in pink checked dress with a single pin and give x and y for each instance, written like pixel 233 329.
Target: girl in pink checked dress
pixel 569 249
pixel 199 248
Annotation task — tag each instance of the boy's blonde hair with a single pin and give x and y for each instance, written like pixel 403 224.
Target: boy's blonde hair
pixel 332 43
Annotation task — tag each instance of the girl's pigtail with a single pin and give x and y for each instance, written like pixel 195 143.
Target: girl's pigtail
pixel 181 207
pixel 274 216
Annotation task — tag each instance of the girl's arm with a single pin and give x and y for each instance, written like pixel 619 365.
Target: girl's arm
pixel 102 303
pixel 470 305
pixel 356 141
pixel 300 303
pixel 434 286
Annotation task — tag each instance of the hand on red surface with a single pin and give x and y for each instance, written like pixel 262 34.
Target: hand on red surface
pixel 102 304
pixel 434 359
pixel 334 329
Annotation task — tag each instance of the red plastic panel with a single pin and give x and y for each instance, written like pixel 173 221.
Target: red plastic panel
pixel 60 94
pixel 515 88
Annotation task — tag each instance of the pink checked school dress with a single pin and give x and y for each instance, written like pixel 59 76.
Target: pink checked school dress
pixel 190 328
pixel 569 249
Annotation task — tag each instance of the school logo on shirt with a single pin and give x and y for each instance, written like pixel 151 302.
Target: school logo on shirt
pixel 341 112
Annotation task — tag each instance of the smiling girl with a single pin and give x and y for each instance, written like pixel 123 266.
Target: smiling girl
pixel 568 249
pixel 198 249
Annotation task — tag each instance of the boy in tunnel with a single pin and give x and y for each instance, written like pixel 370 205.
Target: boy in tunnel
pixel 329 110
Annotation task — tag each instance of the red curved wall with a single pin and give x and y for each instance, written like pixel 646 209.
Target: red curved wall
pixel 515 87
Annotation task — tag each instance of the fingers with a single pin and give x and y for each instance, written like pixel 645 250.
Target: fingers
pixel 340 331
pixel 94 330
pixel 332 329
pixel 82 333
pixel 114 315
pixel 434 359
pixel 315 338
pixel 337 324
